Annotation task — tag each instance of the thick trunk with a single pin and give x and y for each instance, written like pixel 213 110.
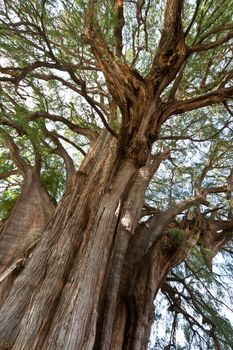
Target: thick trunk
pixel 141 280
pixel 23 229
pixel 79 289
pixel 70 261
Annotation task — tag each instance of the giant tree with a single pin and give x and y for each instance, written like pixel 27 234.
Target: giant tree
pixel 131 84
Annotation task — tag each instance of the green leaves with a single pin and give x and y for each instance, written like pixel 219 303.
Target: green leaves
pixel 177 236
pixel 7 202
pixel 204 315
pixel 53 176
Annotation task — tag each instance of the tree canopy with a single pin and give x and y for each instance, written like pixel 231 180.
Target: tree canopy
pixel 71 70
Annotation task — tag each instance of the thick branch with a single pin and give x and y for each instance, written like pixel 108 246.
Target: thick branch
pixel 90 134
pixel 214 189
pixel 211 45
pixel 205 100
pixel 61 151
pixel 119 11
pixel 149 232
pixel 172 24
pixel 14 152
pixel 122 81
pixel 8 173
pixel 171 52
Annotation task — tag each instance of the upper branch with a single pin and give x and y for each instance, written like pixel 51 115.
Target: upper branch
pixel 119 12
pixel 171 52
pixel 90 134
pixel 14 151
pixel 8 173
pixel 198 3
pixel 93 104
pixel 122 81
pixel 208 99
pixel 61 151
pixel 203 46
pixel 172 25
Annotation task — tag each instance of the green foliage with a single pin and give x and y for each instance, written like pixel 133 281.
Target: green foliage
pixel 205 317
pixel 7 202
pixel 177 235
pixel 53 176
pixel 5 163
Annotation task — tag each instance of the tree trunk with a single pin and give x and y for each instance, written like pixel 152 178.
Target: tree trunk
pixel 85 285
pixel 23 229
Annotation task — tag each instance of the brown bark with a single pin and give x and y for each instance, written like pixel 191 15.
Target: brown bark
pixel 95 272
pixel 23 228
pixel 71 228
pixel 214 236
pixel 100 209
pixel 131 211
pixel 140 282
pixel 85 260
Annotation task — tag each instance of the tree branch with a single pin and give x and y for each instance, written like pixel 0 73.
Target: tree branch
pixel 8 173
pixel 61 151
pixel 208 99
pixel 198 2
pixel 119 12
pixel 92 103
pixel 211 45
pixel 14 152
pixel 122 81
pixel 151 231
pixel 90 134
pixel 171 52
pixel 72 143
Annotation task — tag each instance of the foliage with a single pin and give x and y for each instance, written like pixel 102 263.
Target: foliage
pixel 177 236
pixel 8 199
pixel 199 303
pixel 53 177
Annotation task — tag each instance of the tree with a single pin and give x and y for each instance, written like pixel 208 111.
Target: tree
pixel 130 85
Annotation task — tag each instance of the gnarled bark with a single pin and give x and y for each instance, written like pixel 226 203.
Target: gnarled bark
pixel 99 210
pixel 23 229
pixel 88 267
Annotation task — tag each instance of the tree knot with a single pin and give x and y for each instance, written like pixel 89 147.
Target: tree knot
pixel 139 151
